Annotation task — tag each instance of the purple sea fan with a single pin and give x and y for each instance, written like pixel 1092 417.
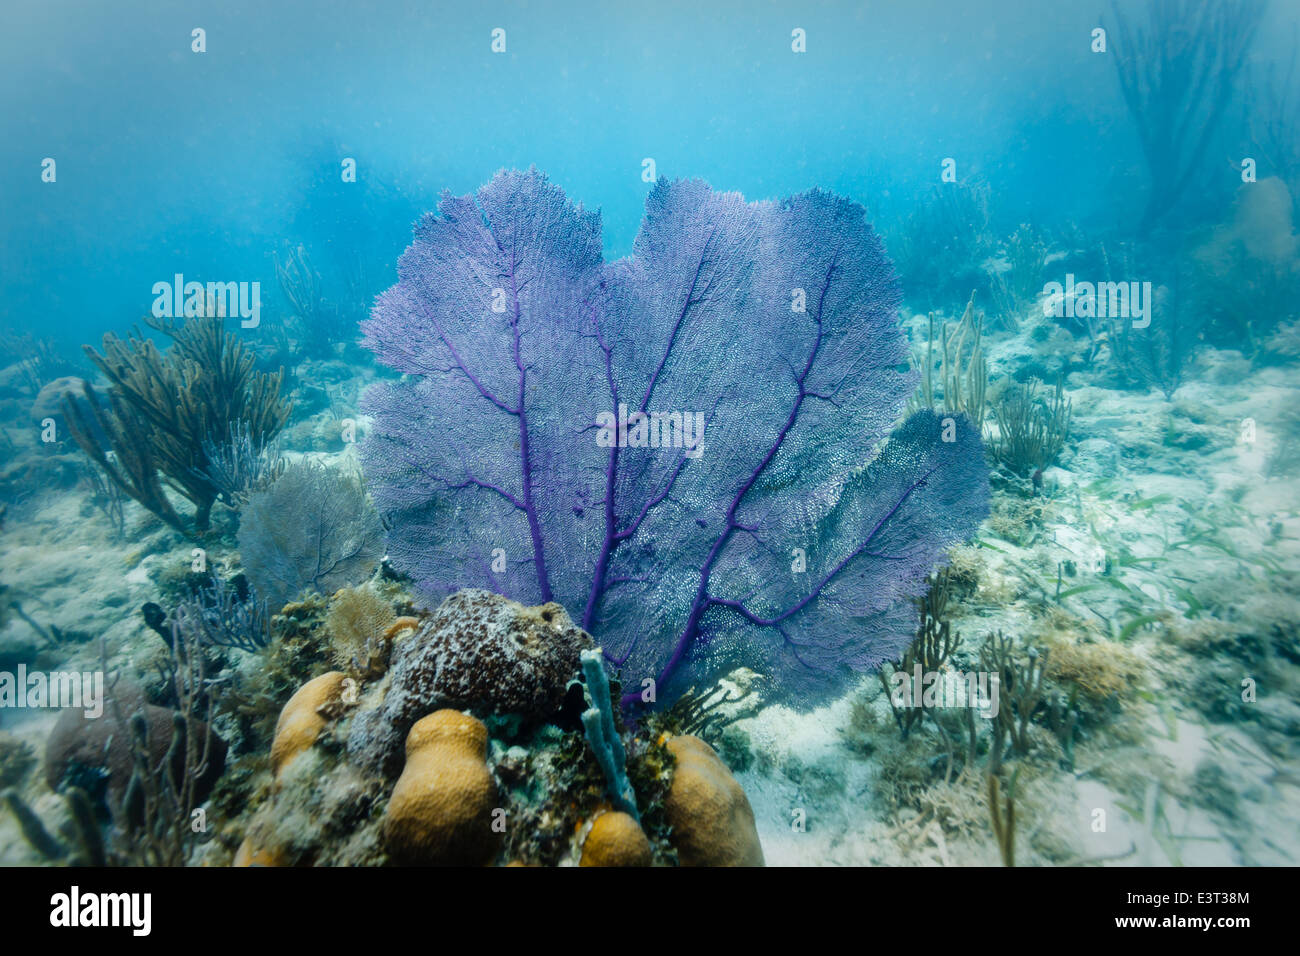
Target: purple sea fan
pixel 540 444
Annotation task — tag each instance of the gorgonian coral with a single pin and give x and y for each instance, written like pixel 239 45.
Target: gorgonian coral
pixel 311 530
pixel 670 446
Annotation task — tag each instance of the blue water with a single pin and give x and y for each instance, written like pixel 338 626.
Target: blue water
pixel 174 161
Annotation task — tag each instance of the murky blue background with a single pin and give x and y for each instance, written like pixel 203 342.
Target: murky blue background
pixel 171 161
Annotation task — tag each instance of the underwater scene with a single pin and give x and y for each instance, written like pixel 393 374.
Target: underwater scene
pixel 678 434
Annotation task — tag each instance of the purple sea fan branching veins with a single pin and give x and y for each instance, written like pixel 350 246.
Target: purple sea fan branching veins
pixel 790 545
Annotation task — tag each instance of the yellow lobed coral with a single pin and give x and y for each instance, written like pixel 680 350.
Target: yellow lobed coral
pixel 712 821
pixel 250 855
pixel 300 721
pixel 441 809
pixel 616 840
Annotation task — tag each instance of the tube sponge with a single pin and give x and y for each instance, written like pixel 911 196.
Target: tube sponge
pixel 602 734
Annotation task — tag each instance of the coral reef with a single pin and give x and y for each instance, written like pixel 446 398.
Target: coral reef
pixel 49 401
pixel 1102 672
pixel 220 614
pixel 295 654
pixel 441 810
pixel 242 463
pixel 963 378
pixel 1020 688
pixel 708 712
pixel 361 626
pixel 556 791
pixel 322 813
pixel 661 535
pixel 1031 429
pixel 476 793
pixel 148 770
pixel 935 643
pixel 478 651
pixel 82 751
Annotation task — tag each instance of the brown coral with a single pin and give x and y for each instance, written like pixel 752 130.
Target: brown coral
pixel 163 408
pixel 1101 671
pixel 616 840
pixel 478 651
pixel 440 812
pixel 300 721
pixel 360 625
pixel 712 822
pixel 78 743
